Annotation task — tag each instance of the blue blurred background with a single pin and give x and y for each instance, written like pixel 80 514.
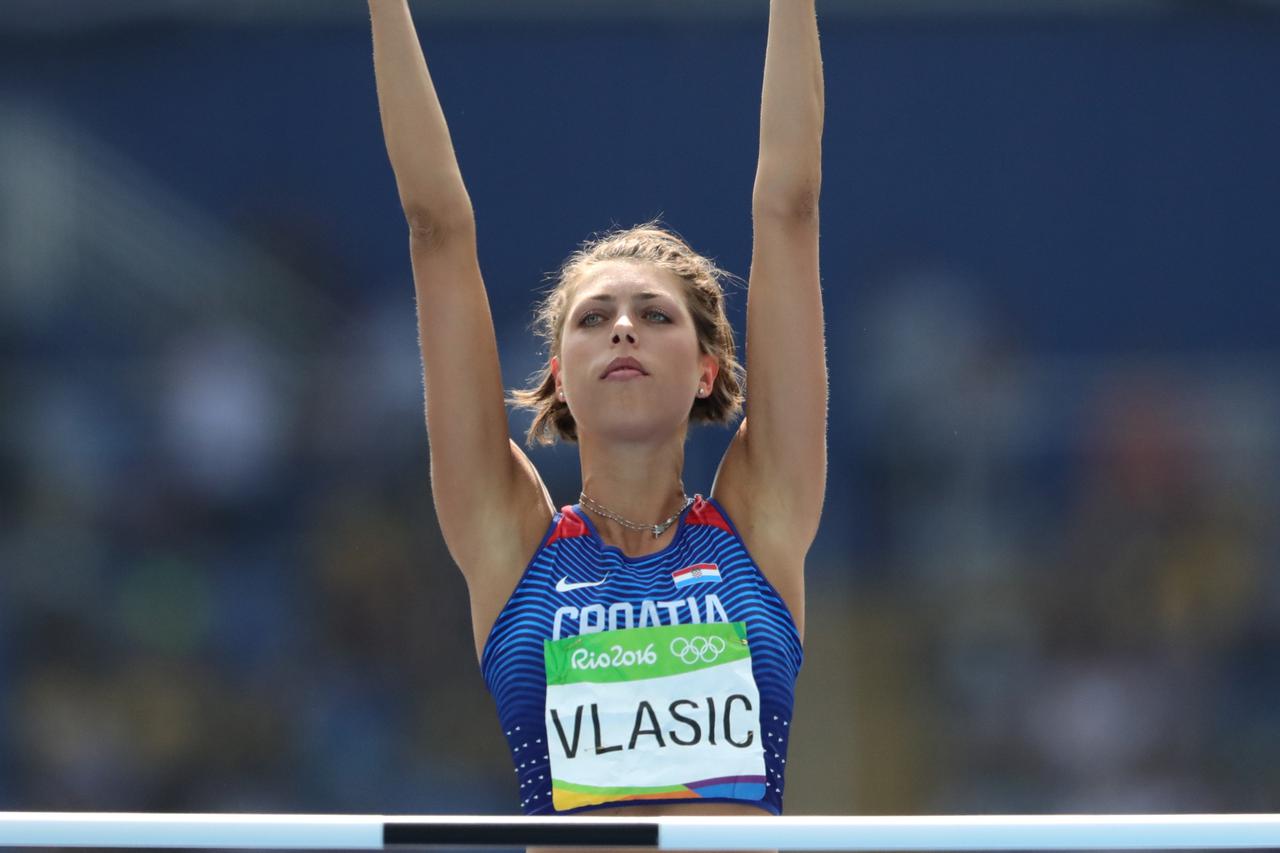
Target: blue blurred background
pixel 1046 578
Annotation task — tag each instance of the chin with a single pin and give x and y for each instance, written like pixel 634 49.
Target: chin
pixel 622 424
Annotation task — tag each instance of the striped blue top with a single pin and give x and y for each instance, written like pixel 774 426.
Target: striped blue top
pixel 640 592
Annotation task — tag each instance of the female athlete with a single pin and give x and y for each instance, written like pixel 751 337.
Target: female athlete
pixel 642 645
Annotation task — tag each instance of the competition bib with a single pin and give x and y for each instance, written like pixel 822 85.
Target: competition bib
pixel 667 712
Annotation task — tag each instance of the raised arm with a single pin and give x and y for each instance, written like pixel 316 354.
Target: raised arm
pixel 789 173
pixel 488 498
pixel 413 124
pixel 786 408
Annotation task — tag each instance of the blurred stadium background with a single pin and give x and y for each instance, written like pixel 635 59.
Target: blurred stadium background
pixel 1047 576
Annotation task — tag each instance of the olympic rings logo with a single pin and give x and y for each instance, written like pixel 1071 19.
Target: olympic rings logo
pixel 705 649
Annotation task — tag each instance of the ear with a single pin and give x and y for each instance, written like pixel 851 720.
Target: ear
pixel 710 370
pixel 555 371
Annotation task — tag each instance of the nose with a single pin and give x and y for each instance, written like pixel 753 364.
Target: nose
pixel 623 325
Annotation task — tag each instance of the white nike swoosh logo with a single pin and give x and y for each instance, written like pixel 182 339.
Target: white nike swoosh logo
pixel 565 586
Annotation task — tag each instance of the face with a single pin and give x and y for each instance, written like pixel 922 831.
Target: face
pixel 625 309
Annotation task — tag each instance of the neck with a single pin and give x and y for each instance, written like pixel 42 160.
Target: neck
pixel 641 483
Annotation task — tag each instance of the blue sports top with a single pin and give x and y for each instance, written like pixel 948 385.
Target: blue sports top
pixel 705 574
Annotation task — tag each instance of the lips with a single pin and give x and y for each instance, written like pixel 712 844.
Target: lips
pixel 629 367
pixel 623 373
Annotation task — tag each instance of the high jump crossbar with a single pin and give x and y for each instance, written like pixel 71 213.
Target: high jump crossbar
pixel 377 832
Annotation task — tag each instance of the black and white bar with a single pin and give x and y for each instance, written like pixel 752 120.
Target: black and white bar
pixel 377 832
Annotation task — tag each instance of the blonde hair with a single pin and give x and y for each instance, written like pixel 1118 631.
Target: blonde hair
pixel 654 244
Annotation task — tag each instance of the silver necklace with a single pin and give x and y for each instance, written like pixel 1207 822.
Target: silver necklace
pixel 656 529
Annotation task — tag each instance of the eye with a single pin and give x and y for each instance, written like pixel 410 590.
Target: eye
pixel 582 321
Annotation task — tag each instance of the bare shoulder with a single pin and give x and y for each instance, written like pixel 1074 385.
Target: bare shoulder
pixel 516 523
pixel 765 528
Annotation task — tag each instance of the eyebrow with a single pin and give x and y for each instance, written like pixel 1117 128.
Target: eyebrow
pixel 608 297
